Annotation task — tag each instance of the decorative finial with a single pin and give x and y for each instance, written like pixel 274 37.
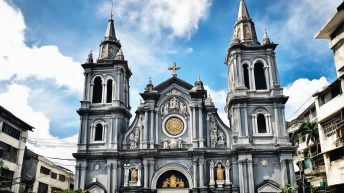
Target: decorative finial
pixel 119 55
pixel 198 77
pixel 90 57
pixel 174 69
pixel 149 80
pixel 266 39
pixel 111 10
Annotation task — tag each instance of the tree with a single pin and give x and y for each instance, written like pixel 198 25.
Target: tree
pixel 74 191
pixel 310 130
pixel 289 188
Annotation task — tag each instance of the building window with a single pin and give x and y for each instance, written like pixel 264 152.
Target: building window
pixel 246 76
pixel 336 154
pixel 42 188
pixel 333 91
pixel 8 152
pixel 6 178
pixel 53 175
pixel 98 134
pixel 261 123
pixel 97 90
pixel 44 170
pixel 109 91
pixel 9 130
pixel 62 178
pixel 330 127
pixel 259 76
pixel 55 190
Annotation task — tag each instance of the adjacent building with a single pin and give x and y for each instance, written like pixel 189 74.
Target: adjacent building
pixel 177 142
pixel 13 135
pixel 330 104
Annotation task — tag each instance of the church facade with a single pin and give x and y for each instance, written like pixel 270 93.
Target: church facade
pixel 177 142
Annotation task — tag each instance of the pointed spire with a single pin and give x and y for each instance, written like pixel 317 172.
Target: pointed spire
pixel 149 86
pixel 244 30
pixel 110 31
pixel 266 39
pixel 243 12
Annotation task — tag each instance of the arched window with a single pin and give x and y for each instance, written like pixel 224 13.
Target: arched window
pixel 97 90
pixel 259 76
pixel 246 76
pixel 109 91
pixel 261 123
pixel 98 133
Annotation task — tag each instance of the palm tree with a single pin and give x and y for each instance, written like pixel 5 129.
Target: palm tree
pixel 310 130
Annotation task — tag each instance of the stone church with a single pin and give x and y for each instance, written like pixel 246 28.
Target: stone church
pixel 177 142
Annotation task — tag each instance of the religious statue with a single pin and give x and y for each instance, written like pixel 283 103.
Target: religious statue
pixel 140 123
pixel 173 144
pixel 165 143
pixel 165 109
pixel 181 183
pixel 132 141
pixel 182 108
pixel 166 183
pixel 221 139
pixel 133 175
pixel 173 103
pixel 220 172
pixel 180 143
pixel 110 52
pixel 173 182
pixel 213 131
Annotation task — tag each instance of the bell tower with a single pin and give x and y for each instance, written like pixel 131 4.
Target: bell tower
pixel 255 106
pixel 104 112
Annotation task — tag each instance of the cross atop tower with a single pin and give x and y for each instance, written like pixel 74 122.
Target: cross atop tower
pixel 174 69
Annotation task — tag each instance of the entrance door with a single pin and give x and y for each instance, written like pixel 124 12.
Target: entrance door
pixel 173 190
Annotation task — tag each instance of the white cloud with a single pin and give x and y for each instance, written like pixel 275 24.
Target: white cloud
pixel 17 59
pixel 40 140
pixel 300 94
pixel 219 99
pixel 179 17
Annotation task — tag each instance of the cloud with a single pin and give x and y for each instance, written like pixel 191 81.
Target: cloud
pixel 40 140
pixel 300 94
pixel 219 99
pixel 17 59
pixel 179 18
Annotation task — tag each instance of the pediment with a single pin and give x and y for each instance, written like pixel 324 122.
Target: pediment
pixel 269 188
pixel 173 80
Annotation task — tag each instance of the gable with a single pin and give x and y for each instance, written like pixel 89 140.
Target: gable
pixel 269 188
pixel 170 81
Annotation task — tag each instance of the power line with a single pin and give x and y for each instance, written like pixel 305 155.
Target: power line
pixel 64 159
pixel 300 107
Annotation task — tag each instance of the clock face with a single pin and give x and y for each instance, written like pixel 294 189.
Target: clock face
pixel 174 126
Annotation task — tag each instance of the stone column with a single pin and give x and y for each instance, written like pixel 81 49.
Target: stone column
pixel 77 176
pixel 267 79
pixel 103 93
pixel 194 129
pixel 82 177
pixel 252 80
pixel 241 176
pixel 109 176
pixel 126 175
pixel 211 174
pixel 145 178
pixel 284 178
pixel 201 171
pixel 151 170
pixel 151 140
pixel 194 162
pixel 250 175
pixel 85 86
pixel 139 174
pixel 200 128
pixel 90 94
pixel 292 179
pixel 145 131
pixel 228 176
pixel 114 174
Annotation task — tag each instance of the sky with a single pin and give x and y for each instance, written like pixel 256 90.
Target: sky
pixel 44 43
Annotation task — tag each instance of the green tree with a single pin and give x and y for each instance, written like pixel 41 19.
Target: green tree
pixel 289 188
pixel 310 130
pixel 74 191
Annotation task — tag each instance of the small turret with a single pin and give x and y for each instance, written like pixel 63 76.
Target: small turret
pixel 266 39
pixel 119 55
pixel 90 58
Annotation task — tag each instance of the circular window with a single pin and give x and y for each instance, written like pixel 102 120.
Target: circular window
pixel 174 126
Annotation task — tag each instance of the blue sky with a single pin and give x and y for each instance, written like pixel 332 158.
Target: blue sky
pixel 53 37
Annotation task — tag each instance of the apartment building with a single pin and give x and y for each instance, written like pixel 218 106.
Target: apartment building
pixel 51 178
pixel 308 160
pixel 330 104
pixel 13 135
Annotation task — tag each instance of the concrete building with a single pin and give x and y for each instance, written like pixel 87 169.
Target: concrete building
pixel 51 178
pixel 330 104
pixel 13 135
pixel 177 143
pixel 308 160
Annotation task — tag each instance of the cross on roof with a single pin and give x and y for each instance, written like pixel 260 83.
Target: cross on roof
pixel 174 69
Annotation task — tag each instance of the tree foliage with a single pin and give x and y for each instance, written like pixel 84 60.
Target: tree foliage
pixel 289 188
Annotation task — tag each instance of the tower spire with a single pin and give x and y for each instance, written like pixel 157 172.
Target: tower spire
pixel 244 30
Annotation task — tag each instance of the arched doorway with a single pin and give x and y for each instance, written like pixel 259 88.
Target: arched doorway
pixel 172 179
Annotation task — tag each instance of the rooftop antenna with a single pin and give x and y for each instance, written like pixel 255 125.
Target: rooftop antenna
pixel 111 9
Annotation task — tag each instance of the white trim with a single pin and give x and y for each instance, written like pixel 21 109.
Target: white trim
pixel 167 118
pixel 93 131
pixel 180 168
pixel 267 122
